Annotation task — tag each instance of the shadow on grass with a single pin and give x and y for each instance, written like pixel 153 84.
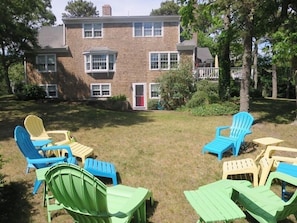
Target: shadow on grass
pixel 62 115
pixel 278 111
pixel 14 203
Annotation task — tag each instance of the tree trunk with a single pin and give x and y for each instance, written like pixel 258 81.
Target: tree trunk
pixel 5 71
pixel 224 77
pixel 255 56
pixel 246 71
pixel 274 82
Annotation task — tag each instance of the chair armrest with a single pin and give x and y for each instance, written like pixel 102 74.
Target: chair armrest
pixel 61 147
pixel 46 160
pixel 135 201
pixel 220 128
pixel 271 149
pixel 281 176
pixel 65 132
pixel 40 138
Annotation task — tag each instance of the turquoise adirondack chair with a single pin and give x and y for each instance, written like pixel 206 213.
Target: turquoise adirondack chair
pixel 240 127
pixel 87 199
pixel 33 156
pixel 263 204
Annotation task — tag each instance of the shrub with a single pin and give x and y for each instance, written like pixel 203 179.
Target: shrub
pixel 153 104
pixel 120 97
pixel 207 93
pixel 29 92
pixel 216 109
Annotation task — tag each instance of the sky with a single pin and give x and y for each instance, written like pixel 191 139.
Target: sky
pixel 119 7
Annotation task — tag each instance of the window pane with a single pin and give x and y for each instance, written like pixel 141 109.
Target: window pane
pixel 173 60
pixel 97 30
pixel 154 60
pixel 155 90
pixel 52 91
pixel 111 62
pixel 147 29
pixel 95 62
pixel 138 29
pixel 164 60
pixel 105 90
pixel 95 90
pixel 51 63
pixel 157 29
pixel 87 30
pixel 102 62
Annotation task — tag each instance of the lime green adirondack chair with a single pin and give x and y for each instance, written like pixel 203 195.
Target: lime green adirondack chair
pixel 87 199
pixel 263 204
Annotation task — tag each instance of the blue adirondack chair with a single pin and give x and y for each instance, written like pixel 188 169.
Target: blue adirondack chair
pixel 34 157
pixel 240 127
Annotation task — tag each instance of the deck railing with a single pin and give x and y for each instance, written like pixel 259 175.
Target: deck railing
pixel 212 73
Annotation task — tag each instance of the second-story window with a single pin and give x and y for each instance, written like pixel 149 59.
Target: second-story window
pixel 148 29
pixel 163 60
pixel 92 30
pixel 46 62
pixel 99 62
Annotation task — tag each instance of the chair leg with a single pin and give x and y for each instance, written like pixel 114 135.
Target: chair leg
pixel 37 184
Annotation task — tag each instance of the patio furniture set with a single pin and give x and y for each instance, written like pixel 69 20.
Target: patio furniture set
pixel 79 191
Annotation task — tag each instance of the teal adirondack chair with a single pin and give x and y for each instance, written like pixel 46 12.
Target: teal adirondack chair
pixel 263 204
pixel 87 199
pixel 34 157
pixel 240 127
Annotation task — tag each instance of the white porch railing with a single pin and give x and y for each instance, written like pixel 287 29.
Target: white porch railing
pixel 211 73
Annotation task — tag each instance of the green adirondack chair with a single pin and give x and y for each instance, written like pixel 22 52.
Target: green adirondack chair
pixel 87 199
pixel 263 204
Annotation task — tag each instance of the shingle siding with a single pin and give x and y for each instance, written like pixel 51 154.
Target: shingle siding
pixel 132 61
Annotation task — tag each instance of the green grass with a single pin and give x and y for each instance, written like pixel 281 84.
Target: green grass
pixel 159 150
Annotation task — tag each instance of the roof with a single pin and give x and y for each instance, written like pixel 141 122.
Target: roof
pixel 120 19
pixel 51 37
pixel 100 49
pixel 204 55
pixel 186 45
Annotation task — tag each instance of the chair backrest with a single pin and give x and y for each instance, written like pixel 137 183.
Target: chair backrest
pixel 35 127
pixel 242 121
pixel 82 195
pixel 26 146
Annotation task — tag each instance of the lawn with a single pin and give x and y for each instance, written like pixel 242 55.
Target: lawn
pixel 158 150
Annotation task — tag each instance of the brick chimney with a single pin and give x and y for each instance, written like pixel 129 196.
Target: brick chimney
pixel 106 10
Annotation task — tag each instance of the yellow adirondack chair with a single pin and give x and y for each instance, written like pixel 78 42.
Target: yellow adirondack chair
pixel 34 125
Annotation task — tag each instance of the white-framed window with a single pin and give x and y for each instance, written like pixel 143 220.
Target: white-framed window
pixel 148 29
pixel 51 90
pixel 154 91
pixel 99 62
pixel 100 90
pixel 46 63
pixel 92 30
pixel 163 60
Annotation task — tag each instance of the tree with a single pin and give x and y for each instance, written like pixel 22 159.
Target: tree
pixel 249 19
pixel 20 20
pixel 167 8
pixel 80 8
